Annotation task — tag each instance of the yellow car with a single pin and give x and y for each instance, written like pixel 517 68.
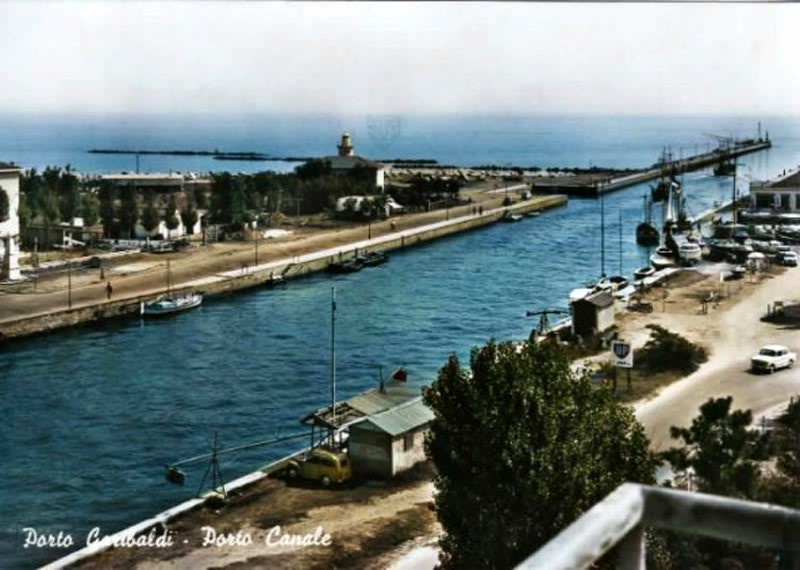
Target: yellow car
pixel 324 465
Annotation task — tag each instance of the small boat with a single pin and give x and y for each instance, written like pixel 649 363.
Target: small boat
pixel 644 272
pixel 373 258
pixel 618 282
pixel 511 217
pixel 646 232
pixel 662 258
pixel 690 252
pixel 347 266
pixel 169 304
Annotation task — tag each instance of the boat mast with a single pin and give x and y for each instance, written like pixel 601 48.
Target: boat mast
pixel 620 242
pixel 734 191
pixel 333 361
pixel 602 237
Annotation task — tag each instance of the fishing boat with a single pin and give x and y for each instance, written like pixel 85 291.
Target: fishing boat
pixel 663 258
pixel 646 232
pixel 644 272
pixel 373 258
pixel 170 304
pixel 346 266
pixel 511 217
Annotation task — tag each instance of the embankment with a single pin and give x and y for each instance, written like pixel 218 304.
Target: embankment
pixel 265 274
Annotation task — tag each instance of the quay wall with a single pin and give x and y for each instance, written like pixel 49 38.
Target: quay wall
pixel 264 274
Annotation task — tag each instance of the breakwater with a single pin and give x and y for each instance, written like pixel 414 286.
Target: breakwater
pixel 266 273
pixel 669 168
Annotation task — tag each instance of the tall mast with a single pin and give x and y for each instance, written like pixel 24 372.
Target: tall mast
pixel 333 358
pixel 620 241
pixel 602 237
pixel 734 190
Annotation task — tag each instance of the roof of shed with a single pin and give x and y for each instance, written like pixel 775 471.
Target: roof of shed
pixel 400 419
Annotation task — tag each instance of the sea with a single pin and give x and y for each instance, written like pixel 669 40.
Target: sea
pixel 91 416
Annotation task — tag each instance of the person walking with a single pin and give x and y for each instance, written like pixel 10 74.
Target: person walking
pixel 109 289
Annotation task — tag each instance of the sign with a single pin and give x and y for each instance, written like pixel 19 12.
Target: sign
pixel 623 353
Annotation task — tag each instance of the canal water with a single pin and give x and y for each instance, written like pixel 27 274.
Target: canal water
pixel 91 416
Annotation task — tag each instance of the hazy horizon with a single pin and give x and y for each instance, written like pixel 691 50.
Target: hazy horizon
pixel 408 59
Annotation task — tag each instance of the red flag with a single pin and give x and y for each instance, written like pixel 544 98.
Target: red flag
pixel 399 375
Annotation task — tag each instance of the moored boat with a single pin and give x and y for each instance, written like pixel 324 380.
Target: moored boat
pixel 644 272
pixel 346 266
pixel 170 304
pixel 373 258
pixel 511 217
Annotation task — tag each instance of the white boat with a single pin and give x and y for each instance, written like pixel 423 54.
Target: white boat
pixel 662 258
pixel 169 304
pixel 643 272
pixel 690 252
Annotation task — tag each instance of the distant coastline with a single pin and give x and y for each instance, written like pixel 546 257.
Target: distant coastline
pixel 215 154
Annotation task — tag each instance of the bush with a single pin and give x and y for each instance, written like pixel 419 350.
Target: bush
pixel 667 351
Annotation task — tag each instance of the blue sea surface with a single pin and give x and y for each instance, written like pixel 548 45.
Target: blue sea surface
pixel 91 416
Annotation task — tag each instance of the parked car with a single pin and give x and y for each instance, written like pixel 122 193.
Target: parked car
pixel 788 258
pixel 320 464
pixel 771 358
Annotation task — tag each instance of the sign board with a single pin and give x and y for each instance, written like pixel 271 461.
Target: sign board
pixel 623 353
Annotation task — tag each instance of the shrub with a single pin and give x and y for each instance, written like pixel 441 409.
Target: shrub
pixel 666 351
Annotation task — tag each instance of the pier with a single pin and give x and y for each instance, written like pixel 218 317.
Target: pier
pixel 600 186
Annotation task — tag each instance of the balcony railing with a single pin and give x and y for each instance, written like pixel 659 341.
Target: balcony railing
pixel 619 520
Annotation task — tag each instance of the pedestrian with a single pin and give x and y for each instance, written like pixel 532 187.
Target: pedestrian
pixel 109 289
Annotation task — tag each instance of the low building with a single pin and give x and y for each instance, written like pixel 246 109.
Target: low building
pixel 9 222
pixel 592 312
pixel 390 442
pixel 775 201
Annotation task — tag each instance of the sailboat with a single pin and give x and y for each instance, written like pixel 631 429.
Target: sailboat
pixel 646 232
pixel 170 303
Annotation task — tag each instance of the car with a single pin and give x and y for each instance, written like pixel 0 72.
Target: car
pixel 321 464
pixel 772 357
pixel 788 258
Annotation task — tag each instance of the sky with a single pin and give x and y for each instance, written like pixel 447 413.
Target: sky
pixel 399 58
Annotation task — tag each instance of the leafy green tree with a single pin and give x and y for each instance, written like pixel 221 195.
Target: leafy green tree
pixel 69 193
pixel 189 218
pixel 90 208
pixel 315 168
pixel 522 447
pixel 721 449
pixel 108 208
pixel 128 213
pixel 666 350
pixel 150 214
pixel 172 220
pixel 782 486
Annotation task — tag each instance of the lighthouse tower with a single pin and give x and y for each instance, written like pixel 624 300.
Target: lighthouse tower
pixel 345 147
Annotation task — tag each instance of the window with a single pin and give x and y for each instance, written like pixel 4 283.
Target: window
pixel 408 441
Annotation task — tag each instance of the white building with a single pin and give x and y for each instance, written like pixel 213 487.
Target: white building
pixel 776 200
pixel 9 223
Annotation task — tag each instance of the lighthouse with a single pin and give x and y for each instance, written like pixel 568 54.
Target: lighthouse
pixel 345 147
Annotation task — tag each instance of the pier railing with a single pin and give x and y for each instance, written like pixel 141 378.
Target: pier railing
pixel 619 521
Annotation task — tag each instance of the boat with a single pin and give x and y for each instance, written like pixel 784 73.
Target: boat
pixel 511 217
pixel 346 266
pixel 646 232
pixel 170 304
pixel 690 252
pixel 373 258
pixel 644 272
pixel 662 258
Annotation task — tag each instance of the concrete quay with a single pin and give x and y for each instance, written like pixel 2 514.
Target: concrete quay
pixel 670 168
pixel 39 316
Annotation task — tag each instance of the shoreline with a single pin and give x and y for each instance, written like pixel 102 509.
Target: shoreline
pixel 45 318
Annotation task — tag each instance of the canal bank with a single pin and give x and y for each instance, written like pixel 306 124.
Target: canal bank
pixel 41 315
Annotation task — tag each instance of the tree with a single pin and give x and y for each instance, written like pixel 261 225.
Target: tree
pixel 522 447
pixel 189 218
pixel 783 485
pixel 721 449
pixel 128 211
pixel 150 213
pixel 666 350
pixel 172 219
pixel 90 208
pixel 69 194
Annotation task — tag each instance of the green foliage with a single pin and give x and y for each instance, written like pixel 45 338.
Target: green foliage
pixel 189 218
pixel 312 169
pixel 108 208
pixel 128 212
pixel 172 219
pixel 5 206
pixel 522 448
pixel 90 208
pixel 721 449
pixel 783 485
pixel 666 351
pixel 150 213
pixel 69 194
pixel 424 190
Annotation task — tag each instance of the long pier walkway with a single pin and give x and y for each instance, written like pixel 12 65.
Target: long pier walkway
pixel 672 167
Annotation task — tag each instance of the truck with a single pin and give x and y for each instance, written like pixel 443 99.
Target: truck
pixel 320 464
pixel 772 357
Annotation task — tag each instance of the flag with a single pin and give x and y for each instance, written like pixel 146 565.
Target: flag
pixel 399 375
